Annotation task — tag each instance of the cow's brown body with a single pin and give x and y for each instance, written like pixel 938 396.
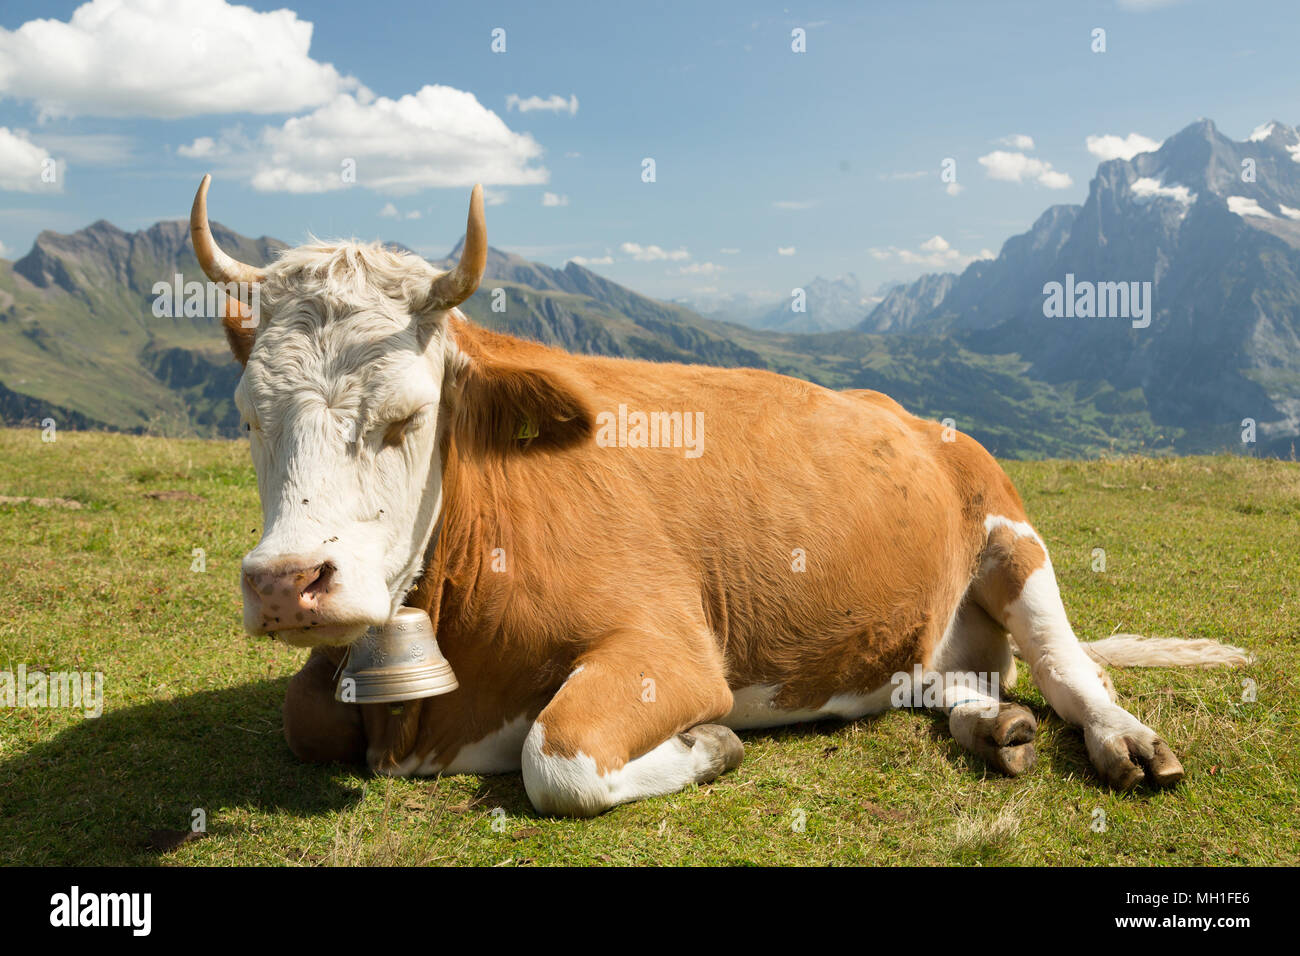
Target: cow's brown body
pixel 684 569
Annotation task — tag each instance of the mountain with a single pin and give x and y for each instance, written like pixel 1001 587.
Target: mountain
pixel 79 343
pixel 828 306
pixel 1220 248
pixel 898 310
pixel 1213 225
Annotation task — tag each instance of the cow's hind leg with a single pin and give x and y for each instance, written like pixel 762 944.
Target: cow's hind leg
pixel 318 728
pixel 632 721
pixel 975 663
pixel 1017 587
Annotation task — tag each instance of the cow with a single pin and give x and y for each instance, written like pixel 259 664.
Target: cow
pixel 616 607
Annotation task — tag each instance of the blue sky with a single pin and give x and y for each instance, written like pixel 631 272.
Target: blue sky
pixel 771 166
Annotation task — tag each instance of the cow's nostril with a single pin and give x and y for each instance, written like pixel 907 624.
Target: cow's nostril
pixel 320 584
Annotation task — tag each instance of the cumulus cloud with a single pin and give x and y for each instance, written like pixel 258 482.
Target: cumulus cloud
pixel 1146 188
pixel 201 148
pixel 1019 168
pixel 166 60
pixel 23 164
pixel 785 250
pixel 437 137
pixel 935 253
pixel 550 104
pixel 1111 146
pixel 653 253
pixel 554 199
pixel 597 261
pixel 389 211
pixel 1019 141
pixel 701 269
pixel 953 189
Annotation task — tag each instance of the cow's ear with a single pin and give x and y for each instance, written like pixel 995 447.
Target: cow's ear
pixel 239 325
pixel 504 407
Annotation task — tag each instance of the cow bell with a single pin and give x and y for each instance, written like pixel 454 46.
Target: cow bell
pixel 396 662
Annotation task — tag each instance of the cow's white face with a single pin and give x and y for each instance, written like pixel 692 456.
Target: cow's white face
pixel 341 405
pixel 344 374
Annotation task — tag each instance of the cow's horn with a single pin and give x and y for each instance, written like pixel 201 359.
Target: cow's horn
pixel 217 266
pixel 454 287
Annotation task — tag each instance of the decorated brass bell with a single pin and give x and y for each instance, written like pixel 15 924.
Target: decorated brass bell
pixel 396 662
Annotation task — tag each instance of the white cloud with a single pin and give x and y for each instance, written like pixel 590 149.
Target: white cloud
pixel 598 261
pixel 166 60
pixel 391 212
pixel 653 253
pixel 553 199
pixel 795 203
pixel 954 189
pixel 1111 146
pixel 437 137
pixel 201 148
pixel 22 164
pixel 495 197
pixel 785 250
pixel 1019 168
pixel 554 103
pixel 1288 211
pixel 935 253
pixel 1248 207
pixel 1019 141
pixel 1147 187
pixel 701 269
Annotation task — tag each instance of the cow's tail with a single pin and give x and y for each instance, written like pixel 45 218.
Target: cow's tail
pixel 1132 650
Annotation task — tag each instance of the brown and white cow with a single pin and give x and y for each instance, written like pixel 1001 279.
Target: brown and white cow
pixel 615 612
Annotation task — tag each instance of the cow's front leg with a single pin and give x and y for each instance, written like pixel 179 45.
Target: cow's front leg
pixel 632 721
pixel 318 728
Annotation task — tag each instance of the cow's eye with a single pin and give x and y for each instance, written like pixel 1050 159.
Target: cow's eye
pixel 396 431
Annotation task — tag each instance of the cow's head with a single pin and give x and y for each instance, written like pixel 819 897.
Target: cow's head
pixel 344 396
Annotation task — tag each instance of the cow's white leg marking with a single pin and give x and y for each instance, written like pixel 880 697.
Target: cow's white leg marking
pixel 572 786
pixel 498 752
pixel 1117 741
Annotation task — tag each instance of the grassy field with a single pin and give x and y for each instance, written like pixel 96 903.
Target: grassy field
pixel 1199 547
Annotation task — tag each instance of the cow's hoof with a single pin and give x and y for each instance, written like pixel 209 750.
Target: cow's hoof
pixel 1005 740
pixel 719 746
pixel 1127 753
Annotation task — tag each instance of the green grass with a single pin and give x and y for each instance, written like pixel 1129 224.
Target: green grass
pixel 1198 547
